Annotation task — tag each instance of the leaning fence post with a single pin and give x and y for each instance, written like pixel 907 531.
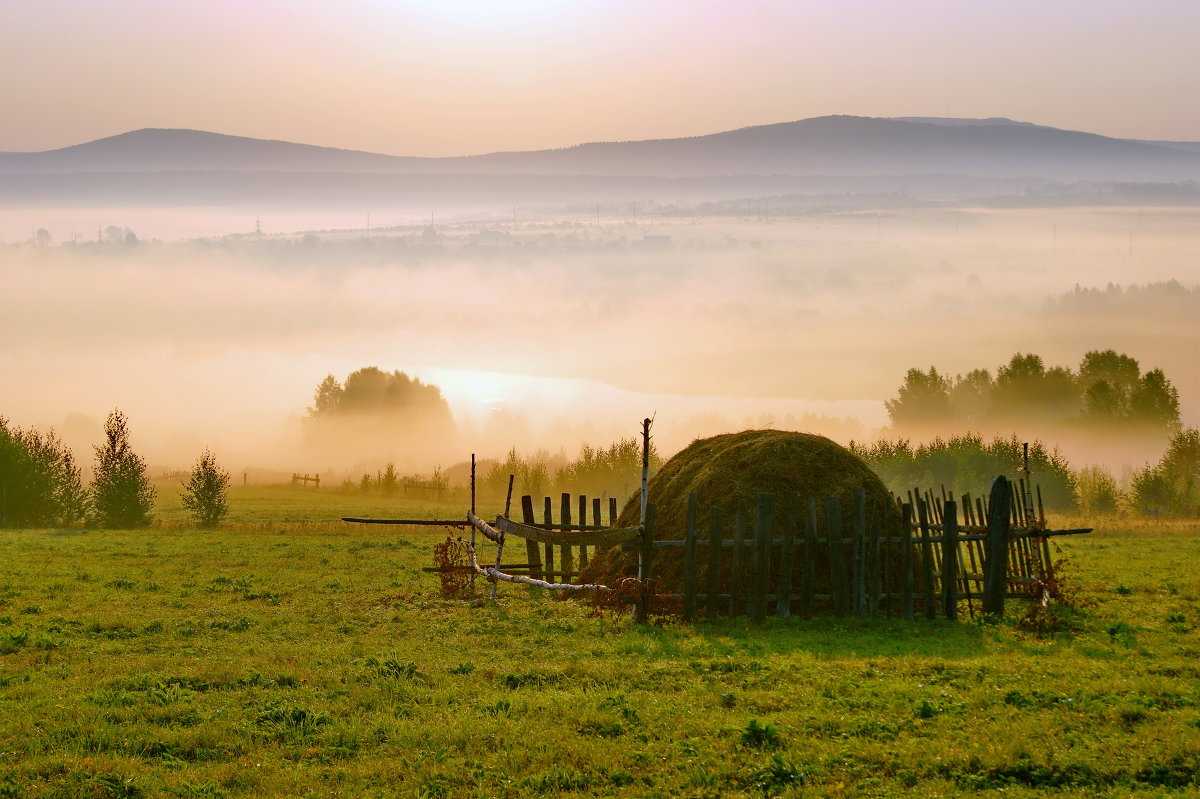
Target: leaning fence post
pixel 472 513
pixel 714 559
pixel 950 559
pixel 760 568
pixel 689 558
pixel 531 547
pixel 995 577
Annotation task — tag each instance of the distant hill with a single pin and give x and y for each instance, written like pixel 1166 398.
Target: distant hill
pixel 141 164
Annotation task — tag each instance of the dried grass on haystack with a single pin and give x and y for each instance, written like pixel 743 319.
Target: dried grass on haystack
pixel 729 471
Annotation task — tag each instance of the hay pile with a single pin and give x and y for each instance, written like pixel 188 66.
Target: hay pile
pixel 729 471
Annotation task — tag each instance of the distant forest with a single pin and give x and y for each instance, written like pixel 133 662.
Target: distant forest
pixel 1108 391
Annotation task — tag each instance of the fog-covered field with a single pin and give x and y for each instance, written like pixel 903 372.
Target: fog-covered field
pixel 549 331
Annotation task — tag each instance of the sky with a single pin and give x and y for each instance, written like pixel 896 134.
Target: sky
pixel 454 77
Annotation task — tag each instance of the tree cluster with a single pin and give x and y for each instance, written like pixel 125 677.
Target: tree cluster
pixel 40 483
pixel 373 392
pixel 968 463
pixel 1107 391
pixel 1172 486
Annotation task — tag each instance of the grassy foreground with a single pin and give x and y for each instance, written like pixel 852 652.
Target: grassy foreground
pixel 289 656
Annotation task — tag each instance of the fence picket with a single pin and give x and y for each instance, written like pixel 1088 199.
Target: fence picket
pixel 531 547
pixel 760 569
pixel 548 519
pixel 950 560
pixel 714 560
pixel 787 557
pixel 689 558
pixel 837 556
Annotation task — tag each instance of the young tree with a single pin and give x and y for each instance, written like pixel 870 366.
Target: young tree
pixel 122 495
pixel 206 493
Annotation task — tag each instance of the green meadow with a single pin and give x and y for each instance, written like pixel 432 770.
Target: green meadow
pixel 287 654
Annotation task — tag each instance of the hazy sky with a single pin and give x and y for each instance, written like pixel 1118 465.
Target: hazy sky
pixel 443 77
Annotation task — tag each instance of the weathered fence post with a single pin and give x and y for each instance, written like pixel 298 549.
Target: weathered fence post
pixel 646 572
pixel 566 558
pixel 858 537
pixel 612 511
pixel 808 577
pixel 583 550
pixel 531 547
pixel 715 517
pixel 689 558
pixel 906 561
pixel 760 569
pixel 837 556
pixel 995 576
pixel 735 572
pixel 547 520
pixel 926 559
pixel 950 559
pixel 787 558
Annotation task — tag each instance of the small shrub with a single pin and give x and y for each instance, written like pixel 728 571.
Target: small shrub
pixel 205 494
pixel 776 775
pixel 760 736
pixel 391 667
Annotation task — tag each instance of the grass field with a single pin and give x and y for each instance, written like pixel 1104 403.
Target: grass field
pixel 289 655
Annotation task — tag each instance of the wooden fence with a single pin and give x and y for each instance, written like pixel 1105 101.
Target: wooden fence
pixel 794 556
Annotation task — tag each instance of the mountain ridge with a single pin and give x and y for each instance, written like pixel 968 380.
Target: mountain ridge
pixel 844 145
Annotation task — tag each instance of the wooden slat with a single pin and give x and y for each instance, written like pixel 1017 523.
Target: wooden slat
pixel 735 572
pixel 531 546
pixel 838 581
pixel 689 558
pixel 760 571
pixel 906 564
pixel 787 557
pixel 926 559
pixel 858 556
pixel 808 578
pixel 714 560
pixel 548 518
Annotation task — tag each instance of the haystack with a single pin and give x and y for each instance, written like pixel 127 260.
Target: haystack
pixel 729 471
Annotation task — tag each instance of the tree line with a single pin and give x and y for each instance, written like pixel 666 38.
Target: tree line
pixel 968 462
pixel 1108 391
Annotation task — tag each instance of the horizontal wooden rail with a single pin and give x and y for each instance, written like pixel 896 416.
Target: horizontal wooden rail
pixel 585 537
pixel 776 542
pixel 410 522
